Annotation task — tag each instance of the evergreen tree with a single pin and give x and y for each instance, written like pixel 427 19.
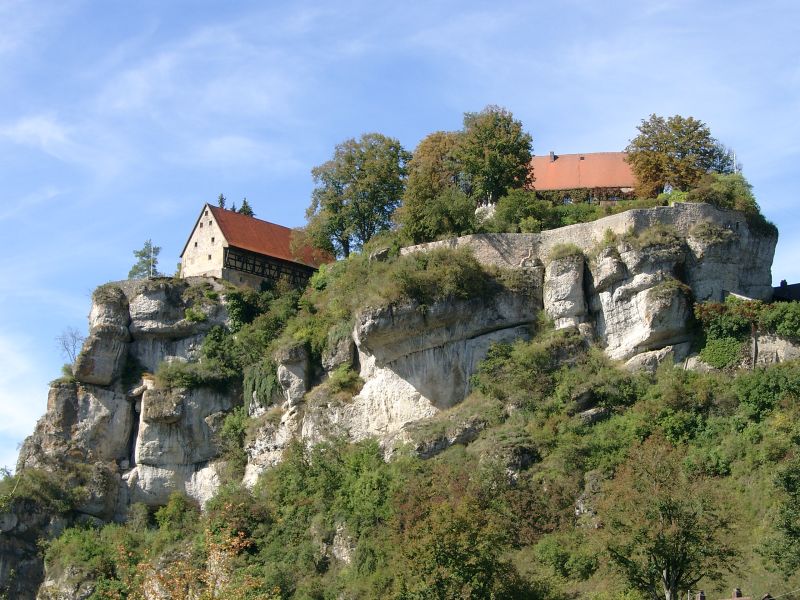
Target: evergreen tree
pixel 246 209
pixel 146 262
pixel 221 201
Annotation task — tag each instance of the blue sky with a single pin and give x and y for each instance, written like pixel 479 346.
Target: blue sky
pixel 119 119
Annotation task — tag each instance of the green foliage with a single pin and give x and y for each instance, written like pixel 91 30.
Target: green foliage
pixel 356 193
pixel 661 539
pixel 729 190
pixel 656 235
pixel 711 233
pixel 232 436
pixel 494 154
pixel 433 206
pixel 722 353
pixel 781 318
pixel 146 262
pixel 677 151
pixel 783 546
pixel 345 379
pixel 563 251
pixel 194 315
pixel 245 209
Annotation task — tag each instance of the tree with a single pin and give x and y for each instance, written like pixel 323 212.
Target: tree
pixel 433 205
pixel 494 154
pixel 69 343
pixel 221 201
pixel 676 151
pixel 784 547
pixel 356 192
pixel 146 262
pixel 665 528
pixel 246 209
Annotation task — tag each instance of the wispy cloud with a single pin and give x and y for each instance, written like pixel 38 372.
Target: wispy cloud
pixel 29 202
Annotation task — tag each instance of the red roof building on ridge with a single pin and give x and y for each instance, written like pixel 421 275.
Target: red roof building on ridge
pixel 245 250
pixel 594 170
pixel 263 237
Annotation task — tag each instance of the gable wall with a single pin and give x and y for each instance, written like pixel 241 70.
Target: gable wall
pixel 196 259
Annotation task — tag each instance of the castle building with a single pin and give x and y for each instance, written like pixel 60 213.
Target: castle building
pixel 595 176
pixel 245 250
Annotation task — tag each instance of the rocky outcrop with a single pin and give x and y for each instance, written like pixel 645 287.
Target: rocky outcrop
pixel 626 282
pixel 638 272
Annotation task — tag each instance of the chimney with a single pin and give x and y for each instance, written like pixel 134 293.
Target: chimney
pixel 552 156
pixel 737 593
pixel 701 595
pixel 784 283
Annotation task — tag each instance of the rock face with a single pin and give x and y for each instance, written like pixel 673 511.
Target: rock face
pixel 110 431
pixel 639 272
pixel 628 286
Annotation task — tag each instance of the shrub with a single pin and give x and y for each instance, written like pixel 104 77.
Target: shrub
pixel 563 251
pixel 711 233
pixel 655 235
pixel 194 315
pixel 722 353
pixel 782 318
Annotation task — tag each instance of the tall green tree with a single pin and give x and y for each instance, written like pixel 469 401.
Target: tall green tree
pixel 665 528
pixel 676 151
pixel 433 204
pixel 494 153
pixel 784 547
pixel 356 192
pixel 221 201
pixel 146 262
pixel 246 209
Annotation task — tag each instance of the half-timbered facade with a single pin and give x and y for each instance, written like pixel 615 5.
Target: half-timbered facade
pixel 245 250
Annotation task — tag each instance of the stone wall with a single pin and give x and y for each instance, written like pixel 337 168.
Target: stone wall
pixel 753 257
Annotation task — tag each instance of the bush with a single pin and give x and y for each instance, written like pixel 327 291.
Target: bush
pixel 194 315
pixel 563 251
pixel 782 318
pixel 724 352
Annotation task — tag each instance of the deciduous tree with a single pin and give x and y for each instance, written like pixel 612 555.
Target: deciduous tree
pixel 676 151
pixel 665 529
pixel 69 343
pixel 494 154
pixel 433 204
pixel 356 192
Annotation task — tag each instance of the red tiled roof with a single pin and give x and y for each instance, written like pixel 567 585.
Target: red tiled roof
pixel 263 237
pixel 582 171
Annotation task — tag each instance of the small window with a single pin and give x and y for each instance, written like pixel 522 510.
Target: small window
pixel 201 225
pixel 209 257
pixel 206 213
pixel 209 223
pixel 195 244
pixel 212 239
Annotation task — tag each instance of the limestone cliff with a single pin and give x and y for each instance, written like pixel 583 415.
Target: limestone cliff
pixel 626 282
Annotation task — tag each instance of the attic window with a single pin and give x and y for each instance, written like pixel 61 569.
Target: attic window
pixel 201 225
pixel 212 240
pixel 195 244
pixel 209 257
pixel 209 223
pixel 205 213
pixel 582 158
